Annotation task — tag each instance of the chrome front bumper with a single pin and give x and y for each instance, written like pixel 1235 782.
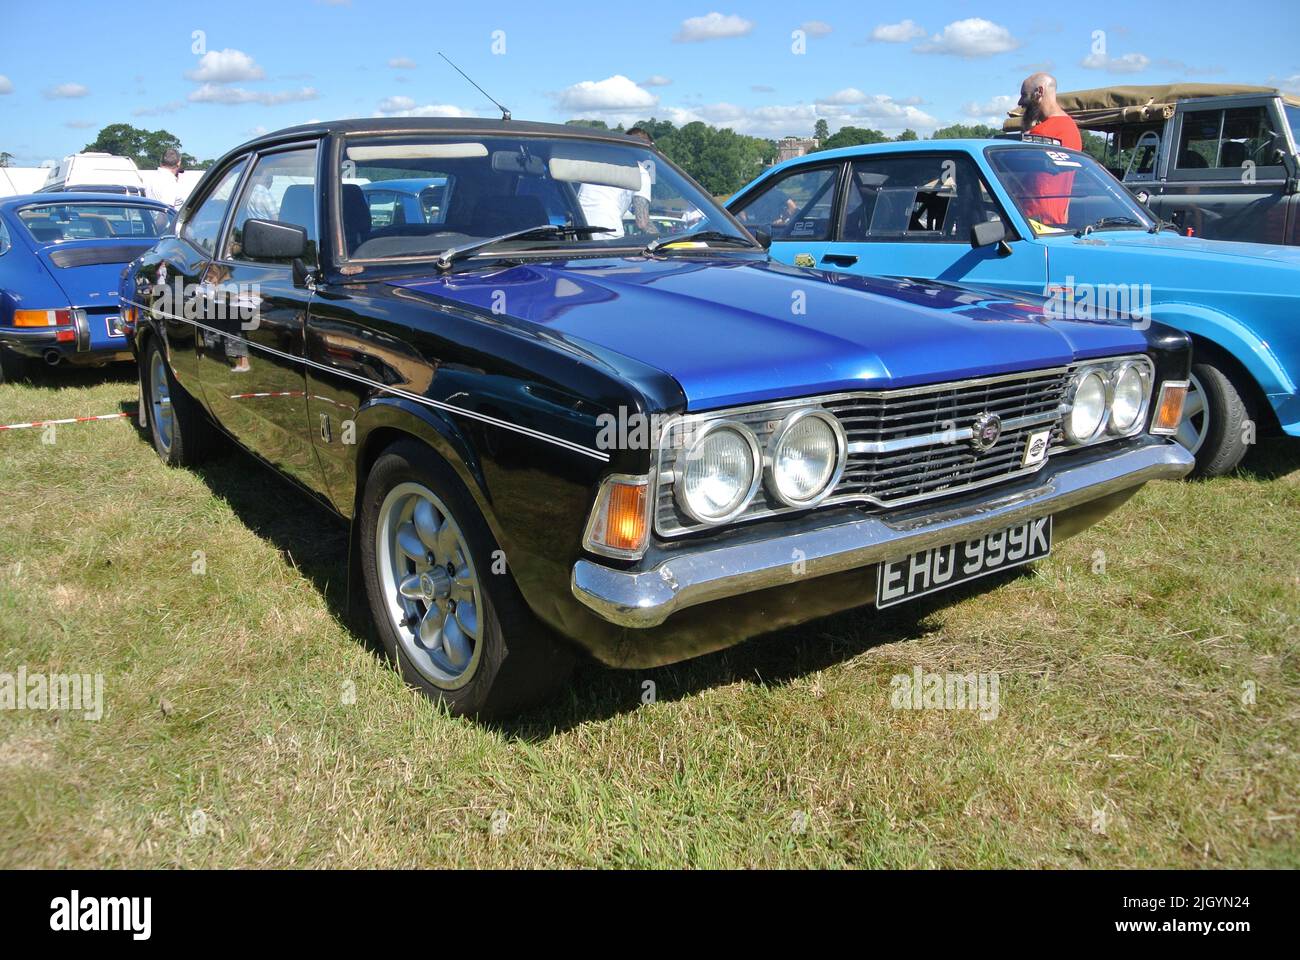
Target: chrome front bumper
pixel 646 598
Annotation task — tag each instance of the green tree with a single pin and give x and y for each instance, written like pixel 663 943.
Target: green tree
pixel 965 131
pixel 596 124
pixel 822 131
pixel 852 137
pixel 145 147
pixel 908 134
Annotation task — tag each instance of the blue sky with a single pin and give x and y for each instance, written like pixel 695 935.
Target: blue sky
pixel 216 73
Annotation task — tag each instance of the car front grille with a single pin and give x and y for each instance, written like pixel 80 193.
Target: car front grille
pixel 904 445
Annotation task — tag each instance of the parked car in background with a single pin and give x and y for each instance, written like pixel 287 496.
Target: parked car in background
pixel 646 450
pixel 1051 222
pixel 1218 161
pixel 92 173
pixel 407 200
pixel 61 256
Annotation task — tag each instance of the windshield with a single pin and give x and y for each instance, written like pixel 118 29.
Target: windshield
pixel 1062 191
pixel 417 196
pixel 52 222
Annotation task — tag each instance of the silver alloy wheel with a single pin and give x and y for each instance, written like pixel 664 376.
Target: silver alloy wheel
pixel 161 398
pixel 1196 417
pixel 429 585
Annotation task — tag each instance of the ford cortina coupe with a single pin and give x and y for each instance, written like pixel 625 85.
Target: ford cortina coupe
pixel 1051 222
pixel 549 437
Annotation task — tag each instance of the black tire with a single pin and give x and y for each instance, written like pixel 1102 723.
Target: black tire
pixel 521 663
pixel 13 366
pixel 192 434
pixel 1225 442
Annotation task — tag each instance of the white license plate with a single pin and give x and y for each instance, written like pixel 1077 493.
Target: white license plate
pixel 939 568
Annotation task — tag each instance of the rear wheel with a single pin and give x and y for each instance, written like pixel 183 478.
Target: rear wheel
pixel 1214 421
pixel 446 609
pixel 179 428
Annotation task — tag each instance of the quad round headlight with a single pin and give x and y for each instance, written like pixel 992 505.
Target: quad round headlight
pixel 1128 397
pixel 806 457
pixel 719 472
pixel 1088 410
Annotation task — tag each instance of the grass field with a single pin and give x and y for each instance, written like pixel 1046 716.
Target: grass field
pixel 245 725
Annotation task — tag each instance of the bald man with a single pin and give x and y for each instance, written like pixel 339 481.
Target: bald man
pixel 1043 115
pixel 1048 202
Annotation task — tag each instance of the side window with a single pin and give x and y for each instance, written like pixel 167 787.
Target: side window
pixel 798 206
pixel 916 198
pixel 282 187
pixel 4 239
pixel 203 225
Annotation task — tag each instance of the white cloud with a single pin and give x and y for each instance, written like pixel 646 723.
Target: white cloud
pixel 898 32
pixel 231 96
pixel 762 88
pixel 713 26
pixel 611 94
pixel 402 63
pixel 406 107
pixel 816 28
pixel 79 124
pixel 1290 84
pixel 846 96
pixel 225 66
pixel 658 80
pixel 973 37
pixel 5 85
pixel 992 110
pixel 1128 63
pixel 171 106
pixel 66 91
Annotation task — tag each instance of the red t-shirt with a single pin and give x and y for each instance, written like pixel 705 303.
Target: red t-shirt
pixel 1049 200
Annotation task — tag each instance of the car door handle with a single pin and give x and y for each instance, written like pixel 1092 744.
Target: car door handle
pixel 840 259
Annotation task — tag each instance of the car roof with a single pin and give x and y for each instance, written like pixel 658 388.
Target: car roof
pixel 969 145
pixel 24 199
pixel 406 184
pixel 471 125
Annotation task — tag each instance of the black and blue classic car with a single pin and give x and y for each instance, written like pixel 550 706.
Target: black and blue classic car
pixel 554 431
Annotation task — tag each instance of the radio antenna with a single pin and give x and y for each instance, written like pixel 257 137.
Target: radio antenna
pixel 505 114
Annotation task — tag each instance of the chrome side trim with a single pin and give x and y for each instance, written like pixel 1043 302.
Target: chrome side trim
pixel 646 598
pixel 406 394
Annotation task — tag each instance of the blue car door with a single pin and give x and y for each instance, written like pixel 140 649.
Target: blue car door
pixel 910 215
pixel 797 209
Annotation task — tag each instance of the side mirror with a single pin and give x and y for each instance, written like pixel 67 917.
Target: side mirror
pixel 763 237
pixel 273 240
pixel 987 233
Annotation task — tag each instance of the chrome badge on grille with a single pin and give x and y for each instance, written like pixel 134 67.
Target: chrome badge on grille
pixel 985 432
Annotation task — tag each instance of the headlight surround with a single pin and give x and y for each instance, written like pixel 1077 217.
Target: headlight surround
pixel 719 472
pixel 1089 404
pixel 806 456
pixel 1130 393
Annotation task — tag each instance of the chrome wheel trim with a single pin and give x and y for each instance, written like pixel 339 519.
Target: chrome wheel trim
pixel 429 586
pixel 1196 417
pixel 160 398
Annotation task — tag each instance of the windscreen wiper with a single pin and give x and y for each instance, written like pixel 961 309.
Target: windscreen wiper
pixel 1106 222
pixel 714 236
pixel 539 232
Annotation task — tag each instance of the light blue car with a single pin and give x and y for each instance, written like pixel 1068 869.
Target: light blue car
pixel 1043 220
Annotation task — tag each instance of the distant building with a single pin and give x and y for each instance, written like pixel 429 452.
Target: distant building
pixel 787 148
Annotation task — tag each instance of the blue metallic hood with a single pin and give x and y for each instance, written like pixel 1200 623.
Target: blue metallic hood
pixel 734 330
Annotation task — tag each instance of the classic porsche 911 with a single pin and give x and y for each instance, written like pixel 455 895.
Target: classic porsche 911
pixel 60 257
pixel 556 437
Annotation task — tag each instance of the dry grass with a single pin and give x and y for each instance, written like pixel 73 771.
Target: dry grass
pixel 1122 738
